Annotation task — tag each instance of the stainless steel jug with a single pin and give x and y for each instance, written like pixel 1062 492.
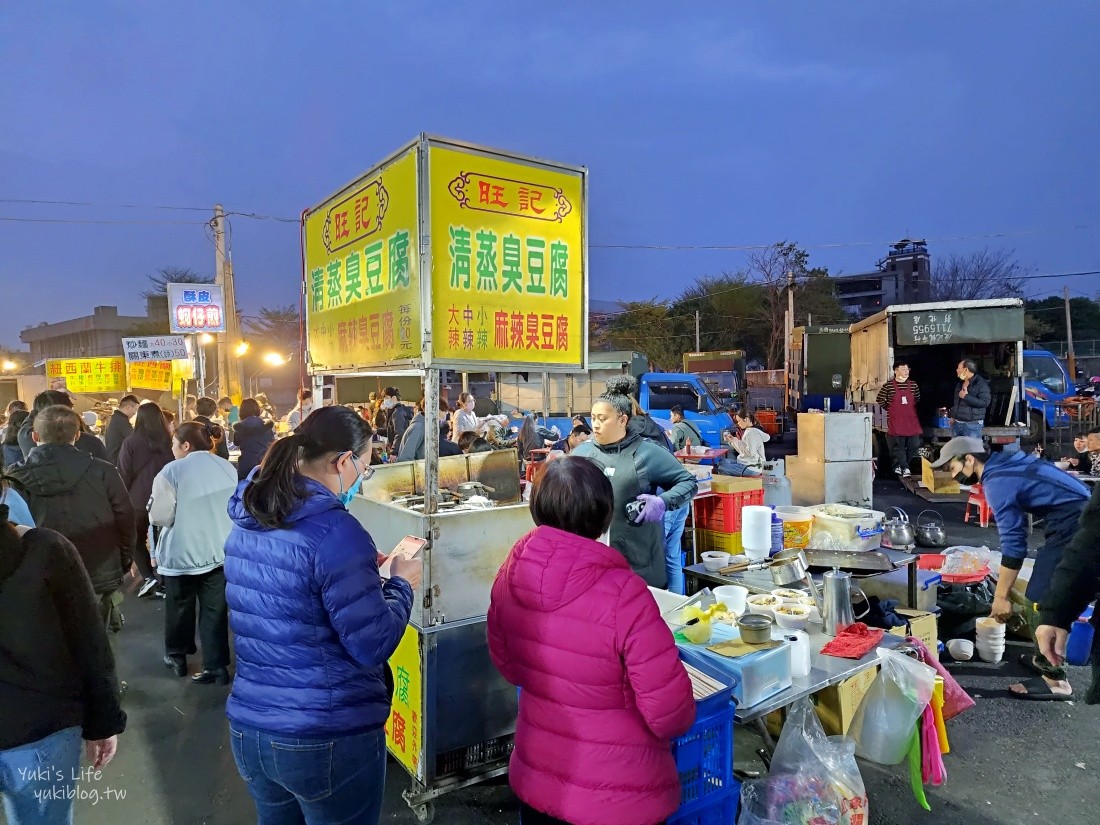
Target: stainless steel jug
pixel 836 612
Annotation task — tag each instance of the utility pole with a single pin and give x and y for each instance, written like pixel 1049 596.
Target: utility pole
pixel 228 379
pixel 788 330
pixel 1071 359
pixel 697 349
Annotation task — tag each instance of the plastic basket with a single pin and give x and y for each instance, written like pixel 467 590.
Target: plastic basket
pixel 704 760
pixel 718 811
pixel 721 512
pixel 712 540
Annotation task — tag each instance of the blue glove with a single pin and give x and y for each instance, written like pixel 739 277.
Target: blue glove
pixel 653 508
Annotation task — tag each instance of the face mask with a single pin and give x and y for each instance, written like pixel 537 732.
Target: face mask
pixel 347 495
pixel 388 404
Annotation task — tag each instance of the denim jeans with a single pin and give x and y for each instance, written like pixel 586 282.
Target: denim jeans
pixel 732 467
pixel 326 781
pixel 36 779
pixel 970 428
pixel 674 533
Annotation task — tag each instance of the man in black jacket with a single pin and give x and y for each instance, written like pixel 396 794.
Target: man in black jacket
pixel 398 417
pixel 85 441
pixel 972 399
pixel 119 427
pixel 57 675
pixel 207 408
pixel 81 497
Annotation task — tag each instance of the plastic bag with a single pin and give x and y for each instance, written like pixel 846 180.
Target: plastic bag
pixel 961 560
pixel 813 779
pixel 886 718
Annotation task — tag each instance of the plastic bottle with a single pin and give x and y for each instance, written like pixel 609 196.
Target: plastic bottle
pixel 800 652
pixel 777 532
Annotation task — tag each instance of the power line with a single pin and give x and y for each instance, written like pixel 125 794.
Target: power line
pixel 12 219
pixel 108 205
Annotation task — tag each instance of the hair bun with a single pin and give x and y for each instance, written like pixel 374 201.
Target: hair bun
pixel 622 385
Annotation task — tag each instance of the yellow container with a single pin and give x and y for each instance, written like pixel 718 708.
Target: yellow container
pixel 708 540
pixel 797 525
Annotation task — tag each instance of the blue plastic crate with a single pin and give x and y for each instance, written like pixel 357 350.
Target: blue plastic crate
pixel 721 699
pixel 704 759
pixel 721 810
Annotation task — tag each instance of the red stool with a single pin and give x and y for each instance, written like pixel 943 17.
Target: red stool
pixel 977 498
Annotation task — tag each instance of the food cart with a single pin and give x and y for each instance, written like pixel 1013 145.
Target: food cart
pixel 448 256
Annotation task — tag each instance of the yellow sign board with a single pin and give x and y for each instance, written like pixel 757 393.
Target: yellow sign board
pixel 88 375
pixel 508 260
pixel 151 375
pixel 404 728
pixel 362 270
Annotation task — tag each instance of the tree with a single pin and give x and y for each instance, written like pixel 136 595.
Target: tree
pixel 172 275
pixel 278 327
pixel 987 273
pixel 1047 319
pixel 650 328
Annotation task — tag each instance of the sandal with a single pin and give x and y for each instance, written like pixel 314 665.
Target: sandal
pixel 1039 691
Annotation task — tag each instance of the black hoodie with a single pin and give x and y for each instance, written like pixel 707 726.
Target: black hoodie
pixel 83 498
pixel 56 667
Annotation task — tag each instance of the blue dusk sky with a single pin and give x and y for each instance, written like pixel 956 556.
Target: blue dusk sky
pixel 842 126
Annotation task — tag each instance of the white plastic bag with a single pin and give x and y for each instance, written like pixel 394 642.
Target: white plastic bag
pixel 889 712
pixel 813 778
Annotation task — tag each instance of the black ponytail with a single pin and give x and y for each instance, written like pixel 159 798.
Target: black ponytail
pixel 277 486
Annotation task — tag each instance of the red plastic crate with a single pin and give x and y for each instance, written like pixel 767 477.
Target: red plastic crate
pixel 722 511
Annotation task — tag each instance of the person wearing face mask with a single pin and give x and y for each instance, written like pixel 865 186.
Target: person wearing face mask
pixel 1017 485
pixel 313 626
pixel 467 420
pixel 972 399
pixel 412 444
pixel 398 417
pixel 637 468
pixel 188 504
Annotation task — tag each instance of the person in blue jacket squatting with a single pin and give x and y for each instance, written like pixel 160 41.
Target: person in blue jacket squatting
pixel 1016 485
pixel 314 624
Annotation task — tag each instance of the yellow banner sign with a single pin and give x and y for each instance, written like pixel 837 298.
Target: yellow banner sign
pixel 362 253
pixel 151 375
pixel 88 375
pixel 508 260
pixel 404 728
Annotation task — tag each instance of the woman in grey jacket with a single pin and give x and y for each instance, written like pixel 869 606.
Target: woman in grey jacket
pixel 637 469
pixel 189 501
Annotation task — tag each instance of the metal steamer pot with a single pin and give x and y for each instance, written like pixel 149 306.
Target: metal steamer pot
pixel 930 533
pixel 473 488
pixel 898 532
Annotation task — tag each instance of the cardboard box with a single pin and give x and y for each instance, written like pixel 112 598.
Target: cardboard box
pixel 937 481
pixel 837 705
pixel 921 625
pixel 735 484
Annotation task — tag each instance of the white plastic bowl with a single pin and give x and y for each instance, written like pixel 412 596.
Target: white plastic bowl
pixel 961 650
pixel 715 560
pixel 767 608
pixel 732 596
pixel 788 595
pixel 796 621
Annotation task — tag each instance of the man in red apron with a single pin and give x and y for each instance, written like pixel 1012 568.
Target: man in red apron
pixel 899 397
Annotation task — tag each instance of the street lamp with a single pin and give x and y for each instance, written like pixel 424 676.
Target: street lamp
pixel 242 349
pixel 271 360
pixel 9 366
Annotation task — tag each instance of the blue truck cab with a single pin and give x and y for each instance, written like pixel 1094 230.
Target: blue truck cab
pixel 659 392
pixel 1047 385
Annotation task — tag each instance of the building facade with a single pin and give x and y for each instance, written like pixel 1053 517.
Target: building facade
pixel 95 335
pixel 904 276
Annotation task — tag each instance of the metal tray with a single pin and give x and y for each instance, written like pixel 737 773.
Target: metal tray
pixel 853 561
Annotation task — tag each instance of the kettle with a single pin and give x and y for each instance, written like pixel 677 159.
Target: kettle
pixel 898 532
pixel 931 532
pixel 836 611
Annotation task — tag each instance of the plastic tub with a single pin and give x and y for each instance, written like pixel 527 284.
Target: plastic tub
pixel 797 526
pixel 1079 645
pixel 840 527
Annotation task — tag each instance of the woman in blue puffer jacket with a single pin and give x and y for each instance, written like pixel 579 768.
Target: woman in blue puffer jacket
pixel 313 625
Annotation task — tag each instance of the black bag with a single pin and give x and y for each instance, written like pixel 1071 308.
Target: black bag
pixel 960 605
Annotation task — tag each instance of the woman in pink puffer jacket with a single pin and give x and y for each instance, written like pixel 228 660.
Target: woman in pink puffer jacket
pixel 604 691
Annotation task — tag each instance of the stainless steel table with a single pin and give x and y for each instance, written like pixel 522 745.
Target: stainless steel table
pixel 759 581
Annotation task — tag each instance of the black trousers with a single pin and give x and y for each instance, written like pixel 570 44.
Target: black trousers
pixel 141 546
pixel 181 595
pixel 903 450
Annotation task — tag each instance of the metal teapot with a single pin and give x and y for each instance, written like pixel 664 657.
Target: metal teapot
pixel 930 533
pixel 898 532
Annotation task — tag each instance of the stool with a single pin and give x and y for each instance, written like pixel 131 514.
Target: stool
pixel 977 498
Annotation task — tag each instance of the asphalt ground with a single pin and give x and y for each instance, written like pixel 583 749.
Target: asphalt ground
pixel 1011 762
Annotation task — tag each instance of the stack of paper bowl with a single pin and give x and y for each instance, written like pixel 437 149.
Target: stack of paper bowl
pixel 989 637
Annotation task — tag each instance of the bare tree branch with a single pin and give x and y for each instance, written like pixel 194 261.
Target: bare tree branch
pixel 987 273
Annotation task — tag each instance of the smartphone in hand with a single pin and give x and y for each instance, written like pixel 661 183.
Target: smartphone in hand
pixel 408 548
